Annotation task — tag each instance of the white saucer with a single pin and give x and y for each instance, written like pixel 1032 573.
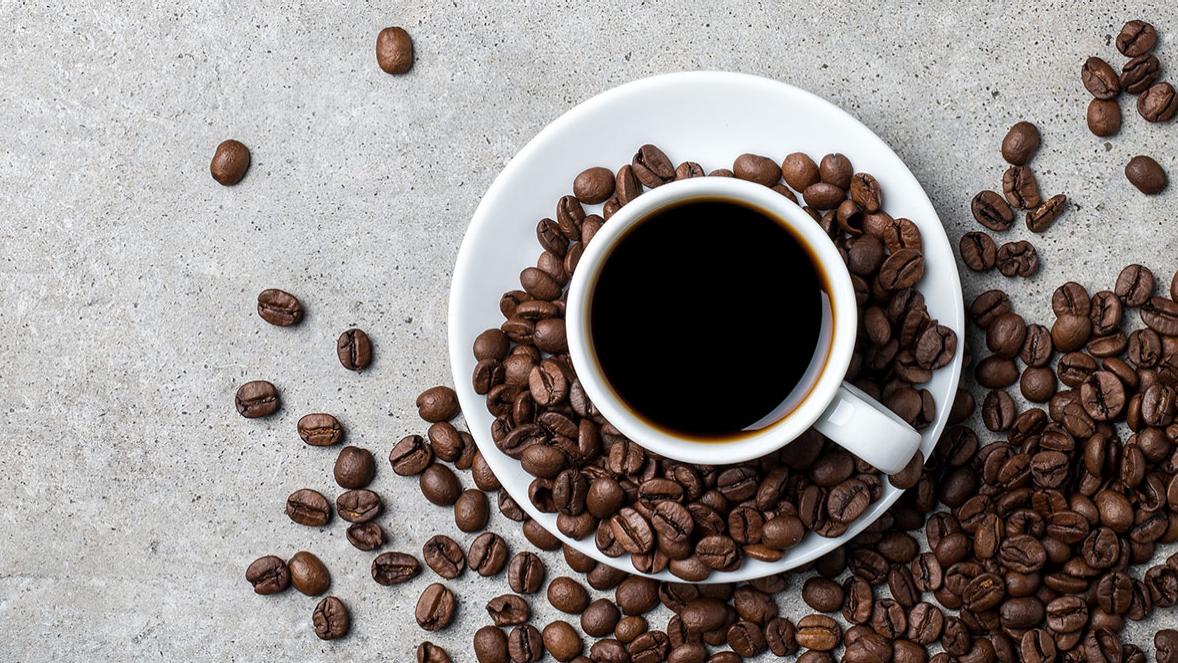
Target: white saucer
pixel 711 118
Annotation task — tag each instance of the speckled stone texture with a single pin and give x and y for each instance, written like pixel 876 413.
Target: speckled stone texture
pixel 133 497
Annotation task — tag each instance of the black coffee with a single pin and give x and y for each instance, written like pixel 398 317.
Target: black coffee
pixel 706 316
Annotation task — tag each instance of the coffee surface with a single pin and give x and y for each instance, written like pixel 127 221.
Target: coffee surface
pixel 706 316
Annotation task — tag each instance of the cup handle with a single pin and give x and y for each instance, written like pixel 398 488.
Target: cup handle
pixel 859 424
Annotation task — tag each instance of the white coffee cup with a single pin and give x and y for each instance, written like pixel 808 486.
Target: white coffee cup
pixel 822 400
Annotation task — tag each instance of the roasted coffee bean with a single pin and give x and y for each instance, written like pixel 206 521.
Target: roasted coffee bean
pixel 1159 103
pixel 1100 79
pixel 1103 396
pixel 354 350
pixel 268 575
pixel 1070 332
pixel 331 619
pixel 746 639
pixel 1104 116
pixel 487 554
pixel 508 610
pixel 366 536
pixel 1041 217
pixel 411 456
pixel 1037 384
pixel 822 595
pixel 996 372
pixel 567 595
pixel 308 507
pixel 902 269
pixel 990 210
pixel 755 168
pixel 1018 258
pixel 799 171
pixel 848 500
pixel 1139 73
pixel 1146 174
pixel 358 506
pixel 308 573
pixel 824 196
pixel 978 251
pixel 998 411
pixel 688 170
pixel 437 404
pixel 490 645
pixel 1021 188
pixel 818 632
pixel 632 531
pixel 320 429
pixel 279 308
pixel 394 51
pixel 781 637
pixel 525 573
pixel 1136 38
pixel 1020 143
pixel 444 556
pixel 525 644
pixel 257 399
pixel 594 185
pixel 471 511
pixel 1161 315
pixel 866 192
pixel 561 641
pixel 428 652
pixel 1067 614
pixel 1134 285
pixel 435 608
pixel 836 169
pixel 439 485
pixel 354 467
pixel 394 568
pixel 1005 335
pixel 1165 644
pixel 652 167
pixel 230 161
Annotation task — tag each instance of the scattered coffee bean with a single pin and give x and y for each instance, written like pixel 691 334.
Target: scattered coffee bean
pixel 1159 103
pixel 562 642
pixel 366 536
pixel 394 568
pixel 978 251
pixel 435 608
pixel 358 506
pixel 487 554
pixel 471 511
pixel 437 404
pixel 394 50
pixel 320 429
pixel 1018 258
pixel 1021 143
pixel 331 619
pixel 525 573
pixel 230 162
pixel 268 575
pixel 1100 79
pixel 1138 74
pixel 428 652
pixel 354 467
pixel 1104 116
pixel 1021 188
pixel 1041 218
pixel 308 507
pixel 594 185
pixel 279 308
pixel 257 399
pixel 354 350
pixel 439 485
pixel 990 210
pixel 1146 174
pixel 308 573
pixel 1136 38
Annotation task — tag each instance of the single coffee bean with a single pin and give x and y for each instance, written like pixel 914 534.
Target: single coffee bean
pixel 978 251
pixel 818 632
pixel 799 171
pixel 358 506
pixel 1159 103
pixel 990 210
pixel 366 536
pixel 1161 315
pixel 354 350
pixel 268 575
pixel 331 619
pixel 354 467
pixel 230 161
pixel 561 641
pixel 1005 335
pixel 1070 332
pixel 471 511
pixel 1021 143
pixel 490 645
pixel 444 556
pixel 1146 174
pixel 998 411
pixel 599 618
pixel 594 185
pixel 1165 644
pixel 257 399
pixel 902 269
pixel 822 595
pixel 567 595
pixel 525 573
pixel 435 608
pixel 279 308
pixel 1037 384
pixel 824 196
pixel 756 168
pixel 439 485
pixel 508 610
pixel 437 404
pixel 308 507
pixel 1134 285
pixel 411 456
pixel 1041 218
pixel 1021 188
pixel 526 645
pixel 428 652
pixel 652 167
pixel 394 568
pixel 394 50
pixel 1104 116
pixel 320 429
pixel 836 169
pixel 487 554
pixel 688 170
pixel 1136 38
pixel 1138 74
pixel 308 573
pixel 1100 79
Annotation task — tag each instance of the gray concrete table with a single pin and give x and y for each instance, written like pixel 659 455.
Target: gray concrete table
pixel 132 496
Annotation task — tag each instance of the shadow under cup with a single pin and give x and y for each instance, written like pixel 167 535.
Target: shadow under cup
pixel 710 319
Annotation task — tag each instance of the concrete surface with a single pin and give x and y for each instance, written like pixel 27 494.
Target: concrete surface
pixel 132 496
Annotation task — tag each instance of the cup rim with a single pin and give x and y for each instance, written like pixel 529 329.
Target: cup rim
pixel 751 444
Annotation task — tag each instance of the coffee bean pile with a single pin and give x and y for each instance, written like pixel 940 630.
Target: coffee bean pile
pixel 1020 192
pixel 1156 101
pixel 694 519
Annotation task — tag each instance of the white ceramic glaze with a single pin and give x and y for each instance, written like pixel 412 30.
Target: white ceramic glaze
pixel 691 116
pixel 846 416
